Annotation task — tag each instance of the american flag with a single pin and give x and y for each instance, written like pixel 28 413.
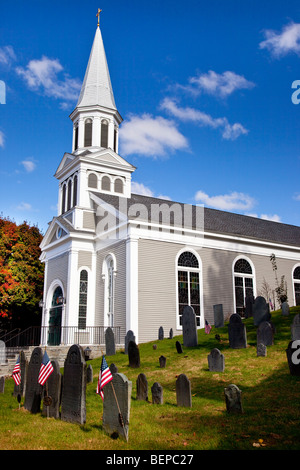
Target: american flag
pixel 45 370
pixel 17 372
pixel 207 327
pixel 104 378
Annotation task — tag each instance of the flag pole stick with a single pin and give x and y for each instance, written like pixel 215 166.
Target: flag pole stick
pixel 121 417
pixel 47 406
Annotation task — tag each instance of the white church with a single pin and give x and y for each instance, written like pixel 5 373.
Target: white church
pixel 132 262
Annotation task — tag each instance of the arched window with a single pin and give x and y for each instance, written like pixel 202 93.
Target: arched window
pixel 92 181
pixel 55 316
pixel 118 186
pixel 105 183
pixel 83 291
pixel 75 191
pixel 243 284
pixel 104 134
pixel 188 276
pixel 296 280
pixel 69 203
pixel 88 126
pixel 109 288
pixel 76 137
pixel 63 199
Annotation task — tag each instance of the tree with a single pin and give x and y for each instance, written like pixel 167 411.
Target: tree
pixel 21 273
pixel 280 289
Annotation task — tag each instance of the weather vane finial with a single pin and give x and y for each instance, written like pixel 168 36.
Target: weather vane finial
pixel 98 14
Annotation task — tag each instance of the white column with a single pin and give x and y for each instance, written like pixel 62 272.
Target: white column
pixel 80 133
pixel 71 311
pixel 132 310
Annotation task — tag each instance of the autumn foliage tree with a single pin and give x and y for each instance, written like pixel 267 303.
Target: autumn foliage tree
pixel 21 273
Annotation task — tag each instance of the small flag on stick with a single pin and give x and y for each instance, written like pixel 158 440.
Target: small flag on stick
pixel 17 372
pixel 105 376
pixel 207 327
pixel 45 370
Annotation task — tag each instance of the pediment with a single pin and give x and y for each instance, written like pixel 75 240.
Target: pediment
pixel 65 162
pixel 110 158
pixel 55 233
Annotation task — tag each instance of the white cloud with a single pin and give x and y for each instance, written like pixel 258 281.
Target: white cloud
pixel 274 217
pixel 1 139
pixel 221 85
pixel 232 201
pixel 7 55
pixel 43 75
pixel 29 165
pixel 280 44
pixel 140 188
pixel 150 136
pixel 296 197
pixel 229 131
pixel 24 206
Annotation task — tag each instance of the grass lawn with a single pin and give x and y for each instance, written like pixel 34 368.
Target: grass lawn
pixel 270 397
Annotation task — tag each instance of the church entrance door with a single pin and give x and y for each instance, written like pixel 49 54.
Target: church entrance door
pixel 55 315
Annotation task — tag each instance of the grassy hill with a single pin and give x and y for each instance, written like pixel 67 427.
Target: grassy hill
pixel 270 397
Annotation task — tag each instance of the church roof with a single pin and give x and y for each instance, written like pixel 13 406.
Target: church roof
pixel 96 88
pixel 225 223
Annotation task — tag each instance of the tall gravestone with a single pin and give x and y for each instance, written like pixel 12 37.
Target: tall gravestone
pixel 52 393
pixel 265 333
pixel 129 337
pixel 2 352
pixel 133 355
pixel 162 361
pixel 20 389
pixel 216 361
pixel 171 333
pixel 218 316
pixel 2 384
pixel 117 396
pixel 157 394
pixel 237 332
pixel 261 310
pixel 160 333
pixel 295 327
pixel 110 346
pixel 183 391
pixel 189 327
pixel 142 388
pixel 33 392
pixel 73 402
pixel 249 301
pixel 285 309
pixel 233 399
pixel 89 374
pixel 178 347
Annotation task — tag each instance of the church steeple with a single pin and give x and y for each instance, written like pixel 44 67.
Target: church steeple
pixel 96 118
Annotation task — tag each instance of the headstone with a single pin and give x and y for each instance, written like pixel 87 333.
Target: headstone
pixel 33 392
pixel 293 357
pixel 133 355
pixel 157 394
pixel 183 391
pixel 265 334
pixel 189 327
pixel 89 374
pixel 261 350
pixel 110 346
pixel 154 347
pixel 162 361
pixel 233 399
pixel 52 393
pixel 261 310
pixel 218 316
pixel 113 368
pixel 2 384
pixel 161 333
pixel 2 352
pixel 216 361
pixel 142 388
pixel 129 337
pixel 20 389
pixel 237 332
pixel 249 301
pixel 117 396
pixel 285 309
pixel 178 347
pixel 295 327
pixel 73 403
pixel 171 333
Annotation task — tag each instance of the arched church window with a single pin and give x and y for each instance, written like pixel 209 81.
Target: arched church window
pixel 83 292
pixel 69 202
pixel 63 199
pixel 76 137
pixel 188 276
pixel 105 183
pixel 104 134
pixel 296 281
pixel 92 181
pixel 75 191
pixel 243 284
pixel 88 126
pixel 118 186
pixel 55 317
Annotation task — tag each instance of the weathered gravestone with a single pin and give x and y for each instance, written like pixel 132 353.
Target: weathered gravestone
pixel 20 389
pixel 218 316
pixel 261 350
pixel 189 327
pixel 129 337
pixel 216 361
pixel 285 309
pixel 113 368
pixel 33 392
pixel 73 402
pixel 171 333
pixel 117 396
pixel 2 384
pixel 2 352
pixel 237 332
pixel 261 310
pixel 183 391
pixel 249 301
pixel 160 333
pixel 89 374
pixel 293 356
pixel 162 361
pixel 133 355
pixel 110 346
pixel 265 333
pixel 233 399
pixel 52 393
pixel 178 347
pixel 157 394
pixel 295 327
pixel 142 388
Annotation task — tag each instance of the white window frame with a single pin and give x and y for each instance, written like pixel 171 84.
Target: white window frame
pixel 243 275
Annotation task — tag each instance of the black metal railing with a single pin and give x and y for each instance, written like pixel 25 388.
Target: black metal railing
pixel 60 335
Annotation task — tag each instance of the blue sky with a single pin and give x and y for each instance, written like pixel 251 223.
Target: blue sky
pixel 204 89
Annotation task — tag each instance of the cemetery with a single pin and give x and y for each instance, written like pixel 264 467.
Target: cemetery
pixel 234 389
